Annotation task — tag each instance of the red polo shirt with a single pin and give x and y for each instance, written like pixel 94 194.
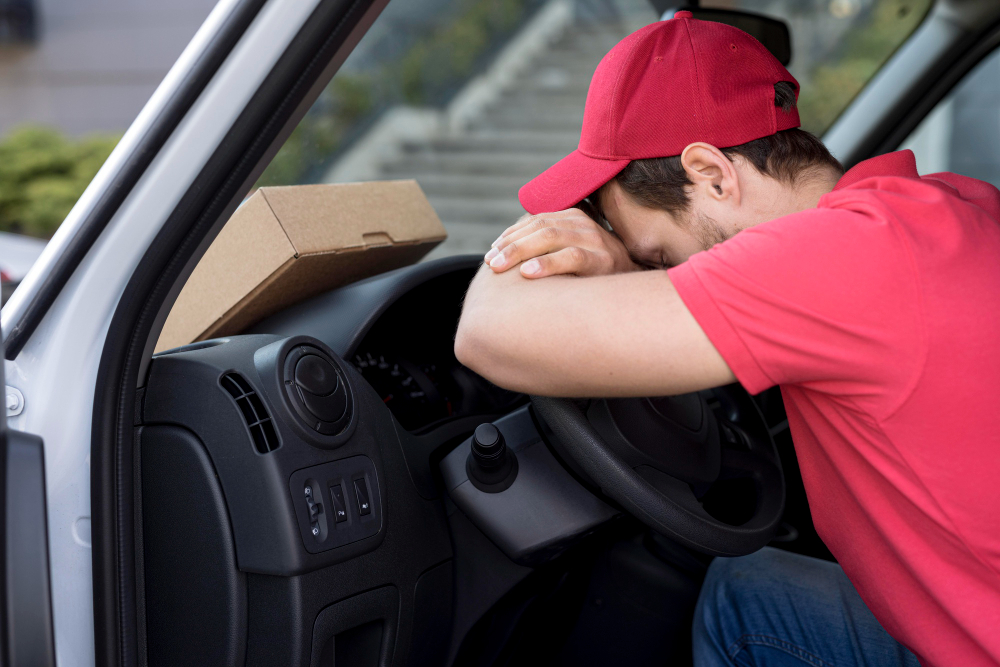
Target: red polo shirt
pixel 878 314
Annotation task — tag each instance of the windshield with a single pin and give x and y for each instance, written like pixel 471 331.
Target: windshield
pixel 837 46
pixel 473 98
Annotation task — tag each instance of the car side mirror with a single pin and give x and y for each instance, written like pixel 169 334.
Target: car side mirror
pixel 772 33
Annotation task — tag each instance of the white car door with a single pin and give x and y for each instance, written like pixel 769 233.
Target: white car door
pixel 81 319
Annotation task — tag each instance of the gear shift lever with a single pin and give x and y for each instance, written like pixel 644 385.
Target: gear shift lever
pixel 491 467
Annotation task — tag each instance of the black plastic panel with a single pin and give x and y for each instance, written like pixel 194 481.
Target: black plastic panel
pixel 544 511
pixel 28 636
pixel 375 613
pixel 287 586
pixel 326 530
pixel 184 389
pixel 432 620
pixel 341 318
pixel 196 598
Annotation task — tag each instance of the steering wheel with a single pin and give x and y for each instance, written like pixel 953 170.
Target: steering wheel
pixel 665 459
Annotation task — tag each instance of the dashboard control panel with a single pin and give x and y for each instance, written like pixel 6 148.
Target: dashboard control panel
pixel 336 503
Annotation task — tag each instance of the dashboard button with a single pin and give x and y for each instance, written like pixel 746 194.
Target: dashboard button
pixel 316 375
pixel 339 506
pixel 364 503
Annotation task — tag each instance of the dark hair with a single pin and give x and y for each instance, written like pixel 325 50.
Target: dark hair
pixel 785 156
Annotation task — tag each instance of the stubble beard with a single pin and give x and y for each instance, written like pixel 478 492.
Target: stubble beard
pixel 708 231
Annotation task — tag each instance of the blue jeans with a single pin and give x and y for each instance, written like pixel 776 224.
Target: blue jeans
pixel 775 608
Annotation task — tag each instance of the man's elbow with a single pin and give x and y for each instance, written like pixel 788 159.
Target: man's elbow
pixel 470 348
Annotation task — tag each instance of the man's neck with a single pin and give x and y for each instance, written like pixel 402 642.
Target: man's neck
pixel 808 189
pixel 803 194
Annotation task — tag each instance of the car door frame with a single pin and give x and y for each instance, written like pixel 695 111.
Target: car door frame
pixel 83 321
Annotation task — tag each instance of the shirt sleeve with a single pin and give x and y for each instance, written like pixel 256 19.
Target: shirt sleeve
pixel 825 299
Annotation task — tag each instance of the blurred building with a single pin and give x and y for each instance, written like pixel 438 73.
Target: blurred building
pixel 88 65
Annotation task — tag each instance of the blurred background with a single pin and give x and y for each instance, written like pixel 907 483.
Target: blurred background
pixel 472 98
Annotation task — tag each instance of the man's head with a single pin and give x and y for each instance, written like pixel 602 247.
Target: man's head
pixel 689 135
pixel 667 209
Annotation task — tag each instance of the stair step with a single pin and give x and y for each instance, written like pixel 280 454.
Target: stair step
pixel 501 164
pixel 515 119
pixel 573 58
pixel 504 211
pixel 470 185
pixel 467 237
pixel 538 105
pixel 553 81
pixel 556 96
pixel 495 142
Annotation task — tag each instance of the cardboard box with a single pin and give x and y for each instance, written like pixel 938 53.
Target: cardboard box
pixel 286 244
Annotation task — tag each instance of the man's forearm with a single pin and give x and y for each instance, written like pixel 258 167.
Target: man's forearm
pixel 621 335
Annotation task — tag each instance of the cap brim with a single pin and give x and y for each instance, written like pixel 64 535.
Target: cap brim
pixel 567 182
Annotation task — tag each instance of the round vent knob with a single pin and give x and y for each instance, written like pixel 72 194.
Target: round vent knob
pixel 317 389
pixel 316 375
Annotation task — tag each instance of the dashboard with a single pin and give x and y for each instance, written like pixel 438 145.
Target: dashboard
pixel 295 472
pixel 398 331
pixel 408 358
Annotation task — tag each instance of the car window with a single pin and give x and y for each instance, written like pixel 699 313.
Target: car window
pixel 962 133
pixel 837 46
pixel 473 98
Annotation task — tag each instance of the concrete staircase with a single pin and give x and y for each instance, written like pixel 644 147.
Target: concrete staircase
pixel 471 173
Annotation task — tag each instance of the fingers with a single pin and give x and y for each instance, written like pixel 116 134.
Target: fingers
pixel 574 260
pixel 537 221
pixel 571 221
pixel 521 222
pixel 545 240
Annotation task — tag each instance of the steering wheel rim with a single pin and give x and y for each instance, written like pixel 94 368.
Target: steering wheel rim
pixel 666 504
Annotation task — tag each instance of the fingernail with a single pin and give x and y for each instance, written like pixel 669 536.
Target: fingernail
pixel 497 242
pixel 491 254
pixel 531 267
pixel 497 261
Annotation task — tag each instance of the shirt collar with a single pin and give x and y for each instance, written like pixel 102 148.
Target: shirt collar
pixel 899 163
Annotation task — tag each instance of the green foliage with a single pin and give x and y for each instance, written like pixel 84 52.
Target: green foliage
pixel 832 86
pixel 451 52
pixel 42 174
pixel 345 101
pixel 435 64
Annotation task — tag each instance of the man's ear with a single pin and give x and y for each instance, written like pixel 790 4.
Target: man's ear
pixel 711 172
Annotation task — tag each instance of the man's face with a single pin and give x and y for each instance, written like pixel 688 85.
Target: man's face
pixel 655 238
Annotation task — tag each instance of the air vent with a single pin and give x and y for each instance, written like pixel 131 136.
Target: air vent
pixel 265 438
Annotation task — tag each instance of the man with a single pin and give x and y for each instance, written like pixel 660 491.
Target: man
pixel 872 298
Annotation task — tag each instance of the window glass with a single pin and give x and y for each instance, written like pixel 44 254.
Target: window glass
pixel 962 133
pixel 837 46
pixel 473 98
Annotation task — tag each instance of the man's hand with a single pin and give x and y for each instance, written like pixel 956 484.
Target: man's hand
pixel 566 242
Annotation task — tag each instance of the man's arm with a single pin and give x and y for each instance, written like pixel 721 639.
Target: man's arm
pixel 619 335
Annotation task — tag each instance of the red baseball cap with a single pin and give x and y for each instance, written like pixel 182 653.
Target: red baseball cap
pixel 658 90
